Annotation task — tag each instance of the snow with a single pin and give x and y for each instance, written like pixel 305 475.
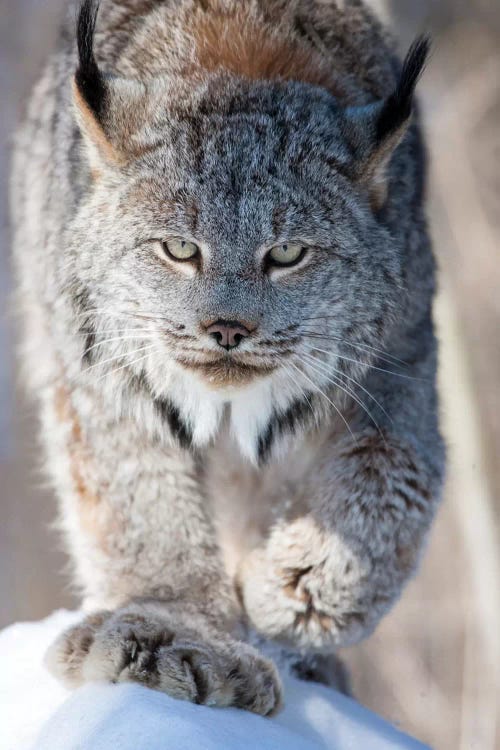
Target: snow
pixel 37 713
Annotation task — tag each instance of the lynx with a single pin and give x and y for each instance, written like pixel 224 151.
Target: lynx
pixel 226 282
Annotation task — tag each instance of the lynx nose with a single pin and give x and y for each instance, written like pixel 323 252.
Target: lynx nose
pixel 228 333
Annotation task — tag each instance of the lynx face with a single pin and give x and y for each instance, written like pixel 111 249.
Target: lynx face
pixel 236 231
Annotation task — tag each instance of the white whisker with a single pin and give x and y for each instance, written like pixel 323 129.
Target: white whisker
pixel 103 311
pixel 119 356
pixel 302 389
pixel 385 356
pixel 127 364
pixel 112 331
pixel 119 338
pixel 350 393
pixel 316 387
pixel 372 367
pixel 123 313
pixel 352 380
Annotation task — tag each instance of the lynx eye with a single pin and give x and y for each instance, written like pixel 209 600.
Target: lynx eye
pixel 182 250
pixel 288 254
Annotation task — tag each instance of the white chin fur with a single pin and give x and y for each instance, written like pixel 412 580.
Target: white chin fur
pixel 199 407
pixel 250 408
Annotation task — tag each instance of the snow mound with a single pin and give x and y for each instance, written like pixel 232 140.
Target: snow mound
pixel 36 713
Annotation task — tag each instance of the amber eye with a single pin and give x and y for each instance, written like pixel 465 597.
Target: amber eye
pixel 181 250
pixel 288 254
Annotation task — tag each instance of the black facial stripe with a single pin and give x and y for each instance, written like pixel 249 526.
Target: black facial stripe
pixel 165 410
pixel 298 413
pixel 80 298
pixel 169 413
pixel 88 346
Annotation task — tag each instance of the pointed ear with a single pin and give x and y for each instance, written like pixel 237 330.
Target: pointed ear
pixel 91 92
pixel 102 103
pixel 375 130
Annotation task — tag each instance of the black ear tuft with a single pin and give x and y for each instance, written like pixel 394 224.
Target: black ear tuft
pixel 88 77
pixel 398 107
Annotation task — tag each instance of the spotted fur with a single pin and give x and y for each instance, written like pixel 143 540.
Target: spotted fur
pixel 289 482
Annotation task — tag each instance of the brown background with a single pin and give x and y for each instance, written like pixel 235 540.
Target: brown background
pixel 433 666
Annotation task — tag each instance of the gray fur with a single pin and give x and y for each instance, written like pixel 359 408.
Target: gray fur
pixel 157 456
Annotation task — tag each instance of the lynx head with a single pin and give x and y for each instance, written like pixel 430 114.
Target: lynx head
pixel 234 227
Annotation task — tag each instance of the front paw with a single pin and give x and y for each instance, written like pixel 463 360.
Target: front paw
pixel 202 667
pixel 308 589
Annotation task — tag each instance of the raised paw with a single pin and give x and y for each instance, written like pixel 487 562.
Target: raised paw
pixel 202 667
pixel 307 588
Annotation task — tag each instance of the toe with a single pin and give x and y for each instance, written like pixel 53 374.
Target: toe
pixel 66 656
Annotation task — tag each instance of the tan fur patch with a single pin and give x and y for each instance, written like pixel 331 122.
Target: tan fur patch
pixel 76 448
pixel 91 510
pixel 93 129
pixel 240 42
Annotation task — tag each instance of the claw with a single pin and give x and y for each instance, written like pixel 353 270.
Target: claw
pixel 134 647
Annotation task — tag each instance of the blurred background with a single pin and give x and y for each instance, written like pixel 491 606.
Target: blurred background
pixel 433 666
